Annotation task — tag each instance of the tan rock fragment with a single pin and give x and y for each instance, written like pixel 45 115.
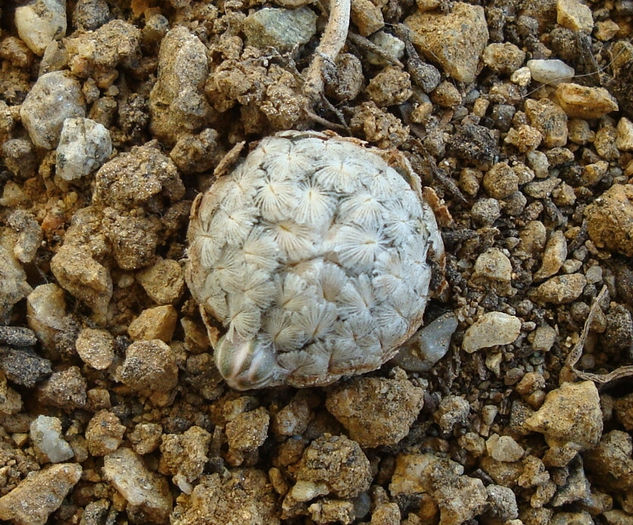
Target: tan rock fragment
pixel 570 416
pixel 95 347
pixel 624 137
pixel 554 256
pixel 39 494
pixel 163 281
pixel 610 219
pixel 561 289
pixel 583 101
pixel 491 329
pixel 154 323
pixel 82 276
pixel 574 15
pixel 376 411
pixel 455 40
pixel 366 16
pixel 145 492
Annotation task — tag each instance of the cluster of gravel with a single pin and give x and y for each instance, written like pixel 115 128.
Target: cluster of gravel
pixel 511 405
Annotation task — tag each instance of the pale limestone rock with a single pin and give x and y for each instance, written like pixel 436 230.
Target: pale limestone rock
pixel 144 491
pixel 624 137
pixel 570 416
pixel 46 435
pixel 55 97
pixel 550 71
pixel 491 329
pixel 84 145
pixel 39 22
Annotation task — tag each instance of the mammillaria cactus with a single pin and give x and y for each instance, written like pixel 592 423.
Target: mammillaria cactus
pixel 313 254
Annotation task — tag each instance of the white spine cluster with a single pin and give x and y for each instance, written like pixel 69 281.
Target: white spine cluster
pixel 313 254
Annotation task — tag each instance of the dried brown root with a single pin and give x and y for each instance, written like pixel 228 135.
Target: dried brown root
pixel 569 370
pixel 332 42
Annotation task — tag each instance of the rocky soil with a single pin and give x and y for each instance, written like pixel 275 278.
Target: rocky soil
pixel 513 405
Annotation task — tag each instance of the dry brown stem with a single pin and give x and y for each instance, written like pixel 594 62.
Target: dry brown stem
pixel 332 42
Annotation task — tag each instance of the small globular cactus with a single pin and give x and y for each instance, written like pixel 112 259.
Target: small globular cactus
pixel 313 254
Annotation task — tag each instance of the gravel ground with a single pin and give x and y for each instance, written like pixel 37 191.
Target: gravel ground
pixel 512 405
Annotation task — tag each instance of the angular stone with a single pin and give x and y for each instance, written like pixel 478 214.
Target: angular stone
pixel 610 219
pixel 154 323
pixel 550 71
pixel 584 101
pixel 39 22
pixel 570 416
pixel 84 145
pixel 39 494
pixel 55 97
pixel 491 329
pixel 561 289
pixel 146 493
pixel 279 28
pixel 376 411
pixel 574 15
pixel 455 40
pixel 46 435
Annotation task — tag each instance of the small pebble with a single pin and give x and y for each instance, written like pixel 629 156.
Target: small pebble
pixel 428 345
pixel 23 366
pixel 149 365
pixel 39 22
pixel 376 411
pixel 366 16
pixel 39 494
pixel 610 219
pixel 84 145
pixel 561 289
pixel 281 29
pixel 154 323
pixel 452 410
pixel 500 181
pixel 624 138
pixel 336 462
pixel 147 493
pixel 454 39
pixel 184 456
pixel 504 448
pixel 544 338
pixel 493 270
pixel 145 437
pixel 574 15
pixel 491 329
pixel 46 435
pixel 551 71
pixel 584 101
pixel 95 347
pixel 391 45
pixel 503 58
pixel 17 336
pixel 550 119
pixel 571 415
pixel 104 433
pixel 65 389
pixel 55 97
pixel 554 255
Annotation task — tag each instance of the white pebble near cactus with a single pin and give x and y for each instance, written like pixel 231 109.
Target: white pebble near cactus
pixel 313 255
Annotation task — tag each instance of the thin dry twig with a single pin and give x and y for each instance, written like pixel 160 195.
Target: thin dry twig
pixel 332 42
pixel 569 370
